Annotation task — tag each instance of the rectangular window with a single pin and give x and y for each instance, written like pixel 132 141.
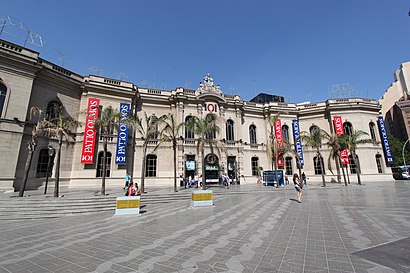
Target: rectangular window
pixel 288 166
pixel 255 166
pixel 151 169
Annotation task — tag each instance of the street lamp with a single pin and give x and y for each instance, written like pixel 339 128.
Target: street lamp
pixel 51 152
pixel 402 152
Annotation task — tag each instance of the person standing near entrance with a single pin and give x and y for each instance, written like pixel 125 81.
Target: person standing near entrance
pixel 298 186
pixel 127 181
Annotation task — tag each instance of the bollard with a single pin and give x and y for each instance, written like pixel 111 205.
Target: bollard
pixel 202 198
pixel 127 205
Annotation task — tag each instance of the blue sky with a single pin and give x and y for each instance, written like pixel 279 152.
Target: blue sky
pixel 293 48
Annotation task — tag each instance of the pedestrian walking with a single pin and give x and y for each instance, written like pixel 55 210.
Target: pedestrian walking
pixel 304 178
pixel 298 186
pixel 127 180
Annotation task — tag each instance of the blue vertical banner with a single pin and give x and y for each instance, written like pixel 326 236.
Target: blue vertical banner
pixel 298 143
pixel 385 142
pixel 122 140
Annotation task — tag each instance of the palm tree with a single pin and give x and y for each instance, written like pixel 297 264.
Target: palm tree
pixel 170 132
pixel 314 140
pixel 274 148
pixel 204 128
pixel 31 146
pixel 107 123
pixel 335 145
pixel 147 128
pixel 351 141
pixel 62 127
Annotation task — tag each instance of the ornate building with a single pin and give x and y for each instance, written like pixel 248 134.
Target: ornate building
pixel 27 81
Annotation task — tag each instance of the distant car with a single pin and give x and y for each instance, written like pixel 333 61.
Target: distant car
pixel 401 172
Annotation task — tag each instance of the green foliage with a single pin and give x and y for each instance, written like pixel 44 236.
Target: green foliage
pixel 396 147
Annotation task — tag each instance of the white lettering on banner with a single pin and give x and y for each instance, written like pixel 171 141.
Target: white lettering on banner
pixel 87 153
pixel 385 143
pixel 122 139
pixel 338 123
pixel 298 143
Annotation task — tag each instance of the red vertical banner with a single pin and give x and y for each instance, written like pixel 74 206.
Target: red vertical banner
pixel 87 153
pixel 338 123
pixel 279 140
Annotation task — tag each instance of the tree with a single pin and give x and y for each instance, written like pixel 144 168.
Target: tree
pixel 107 123
pixel 170 133
pixel 314 140
pixel 204 128
pixel 61 127
pixel 274 148
pixel 36 130
pixel 351 142
pixel 147 128
pixel 335 145
pixel 396 147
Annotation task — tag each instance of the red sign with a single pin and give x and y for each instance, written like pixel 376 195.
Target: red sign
pixel 278 134
pixel 87 153
pixel 338 122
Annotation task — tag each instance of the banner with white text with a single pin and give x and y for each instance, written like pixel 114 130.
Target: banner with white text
pixel 87 153
pixel 122 140
pixel 338 123
pixel 298 143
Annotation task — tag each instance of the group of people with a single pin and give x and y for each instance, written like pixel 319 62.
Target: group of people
pixel 132 187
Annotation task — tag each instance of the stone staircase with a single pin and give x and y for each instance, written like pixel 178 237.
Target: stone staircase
pixel 40 207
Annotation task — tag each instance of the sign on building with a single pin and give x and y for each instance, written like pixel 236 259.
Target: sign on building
pixel 87 153
pixel 122 139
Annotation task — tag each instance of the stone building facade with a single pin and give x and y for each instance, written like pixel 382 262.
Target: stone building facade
pixel 26 80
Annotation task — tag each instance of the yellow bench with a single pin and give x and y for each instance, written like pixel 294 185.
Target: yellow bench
pixel 127 205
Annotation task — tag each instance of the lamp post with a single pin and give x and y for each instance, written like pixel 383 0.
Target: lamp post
pixel 402 151
pixel 51 152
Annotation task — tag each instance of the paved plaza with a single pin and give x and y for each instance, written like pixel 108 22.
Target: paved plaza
pixel 249 229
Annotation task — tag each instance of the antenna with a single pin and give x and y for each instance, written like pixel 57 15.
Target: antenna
pixel 96 70
pixel 122 75
pixel 62 57
pixel 232 89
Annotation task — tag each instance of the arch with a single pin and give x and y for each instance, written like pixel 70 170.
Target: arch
pixel 372 129
pixel 4 94
pixel 252 134
pixel 107 164
pixel 348 128
pixel 151 166
pixel 229 130
pixel 313 128
pixel 288 165
pixel 255 166
pixel 53 108
pixel 211 168
pixel 379 163
pixel 189 134
pixel 285 133
pixel 42 164
pixel 318 163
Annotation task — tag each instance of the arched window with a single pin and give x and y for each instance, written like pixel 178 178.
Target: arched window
pixel 352 164
pixel 189 134
pixel 318 163
pixel 229 130
pixel 312 129
pixel 379 163
pixel 53 108
pixel 107 164
pixel 285 133
pixel 42 164
pixel 3 94
pixel 372 129
pixel 348 128
pixel 255 166
pixel 151 166
pixel 252 134
pixel 288 165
